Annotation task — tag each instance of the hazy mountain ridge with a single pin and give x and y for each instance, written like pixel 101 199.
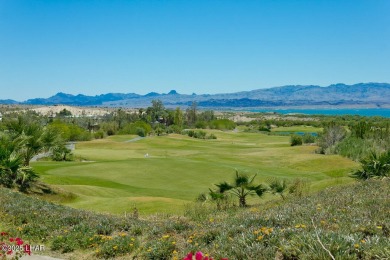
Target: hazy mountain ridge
pixel 377 94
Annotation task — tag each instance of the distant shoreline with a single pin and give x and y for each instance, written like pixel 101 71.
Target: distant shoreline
pixel 383 112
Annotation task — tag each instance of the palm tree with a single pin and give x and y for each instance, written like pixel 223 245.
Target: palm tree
pixel 37 139
pixel 217 197
pixel 278 187
pixel 243 186
pixel 12 171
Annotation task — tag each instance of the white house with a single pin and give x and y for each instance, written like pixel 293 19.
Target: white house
pixel 1 116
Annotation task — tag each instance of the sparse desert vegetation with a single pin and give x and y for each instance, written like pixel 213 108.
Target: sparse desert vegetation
pixel 348 222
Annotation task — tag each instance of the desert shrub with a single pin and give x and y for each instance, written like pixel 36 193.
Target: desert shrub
pixel 358 148
pixel 355 148
pixel 308 138
pixel 120 245
pixel 140 131
pixel 200 134
pixel 212 136
pixel 295 140
pixel 161 248
pixel 99 134
pixel 201 125
pixel 264 128
pixel 198 211
pixel 140 128
pixel 374 166
pixel 222 124
pixel 298 187
pixel 331 136
pixel 201 197
pixel 174 129
pixel 110 128
pixel 190 133
pixel 110 132
pixel 70 132
pixel 64 113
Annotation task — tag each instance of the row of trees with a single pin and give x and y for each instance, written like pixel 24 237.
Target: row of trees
pixel 159 120
pixel 155 119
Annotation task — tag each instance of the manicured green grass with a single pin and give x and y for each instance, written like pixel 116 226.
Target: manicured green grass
pixel 304 128
pixel 116 176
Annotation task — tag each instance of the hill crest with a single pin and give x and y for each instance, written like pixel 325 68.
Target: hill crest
pixel 362 94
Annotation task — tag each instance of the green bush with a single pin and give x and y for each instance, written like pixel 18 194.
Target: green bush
pixel 222 124
pixel 296 140
pixel 99 134
pixel 198 134
pixel 212 136
pixel 332 135
pixel 264 128
pixel 201 124
pixel 174 129
pixel 308 138
pixel 61 153
pixel 140 131
pixel 140 128
pixel 375 166
pixel 70 132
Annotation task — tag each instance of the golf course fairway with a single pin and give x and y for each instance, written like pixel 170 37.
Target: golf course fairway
pixel 164 173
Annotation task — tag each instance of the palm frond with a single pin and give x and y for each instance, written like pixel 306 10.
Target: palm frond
pixel 223 187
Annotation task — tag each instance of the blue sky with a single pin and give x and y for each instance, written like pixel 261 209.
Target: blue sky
pixel 95 47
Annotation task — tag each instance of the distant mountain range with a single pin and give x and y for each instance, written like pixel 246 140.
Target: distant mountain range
pixel 362 94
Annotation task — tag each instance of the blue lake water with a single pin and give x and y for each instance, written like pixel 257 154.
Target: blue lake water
pixel 384 112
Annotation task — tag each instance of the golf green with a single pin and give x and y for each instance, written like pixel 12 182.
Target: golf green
pixel 164 173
